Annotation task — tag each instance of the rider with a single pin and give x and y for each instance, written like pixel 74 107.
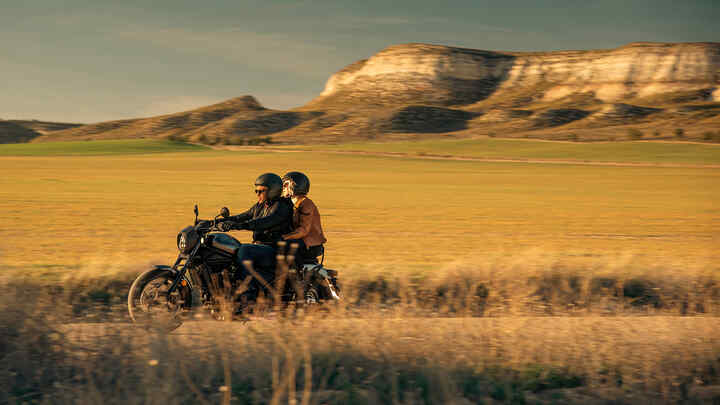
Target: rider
pixel 269 219
pixel 308 233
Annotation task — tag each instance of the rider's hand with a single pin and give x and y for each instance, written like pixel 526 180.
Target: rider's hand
pixel 226 226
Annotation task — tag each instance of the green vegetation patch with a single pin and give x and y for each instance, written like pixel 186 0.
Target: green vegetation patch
pixel 621 152
pixel 110 147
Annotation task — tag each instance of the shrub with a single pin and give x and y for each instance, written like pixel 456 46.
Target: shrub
pixel 573 137
pixel 656 133
pixel 711 136
pixel 176 138
pixel 234 140
pixel 680 133
pixel 635 133
pixel 246 140
pixel 259 141
pixel 203 139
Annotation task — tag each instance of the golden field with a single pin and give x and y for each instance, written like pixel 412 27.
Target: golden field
pixel 464 281
pixel 379 213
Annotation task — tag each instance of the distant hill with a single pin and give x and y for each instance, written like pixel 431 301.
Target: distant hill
pixel 18 131
pixel 414 91
pixel 238 116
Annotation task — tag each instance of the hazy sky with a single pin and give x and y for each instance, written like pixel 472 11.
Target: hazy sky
pixel 97 60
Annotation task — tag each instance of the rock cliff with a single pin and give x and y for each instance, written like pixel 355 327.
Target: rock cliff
pixel 421 73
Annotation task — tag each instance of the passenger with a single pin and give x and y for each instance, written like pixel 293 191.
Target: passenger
pixel 269 219
pixel 307 233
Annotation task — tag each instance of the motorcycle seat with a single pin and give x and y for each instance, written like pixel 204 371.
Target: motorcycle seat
pixel 321 269
pixel 309 260
pixel 311 266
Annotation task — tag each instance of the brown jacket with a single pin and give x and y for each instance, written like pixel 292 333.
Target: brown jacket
pixel 306 222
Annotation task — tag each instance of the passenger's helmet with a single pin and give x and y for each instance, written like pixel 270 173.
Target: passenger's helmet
pixel 273 182
pixel 301 182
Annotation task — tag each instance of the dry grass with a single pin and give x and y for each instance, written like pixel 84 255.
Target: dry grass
pixel 380 214
pixel 529 284
pixel 503 329
pixel 381 354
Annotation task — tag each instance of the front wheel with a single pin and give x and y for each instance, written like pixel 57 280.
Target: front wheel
pixel 151 306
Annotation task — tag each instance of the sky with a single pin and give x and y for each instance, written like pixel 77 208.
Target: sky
pixel 97 60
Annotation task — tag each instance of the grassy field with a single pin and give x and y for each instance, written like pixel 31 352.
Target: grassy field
pixel 626 152
pixel 543 252
pixel 380 214
pixel 111 147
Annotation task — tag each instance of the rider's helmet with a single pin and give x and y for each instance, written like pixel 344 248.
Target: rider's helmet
pixel 299 183
pixel 273 182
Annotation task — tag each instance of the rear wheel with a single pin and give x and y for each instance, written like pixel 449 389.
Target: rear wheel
pixel 150 305
pixel 312 297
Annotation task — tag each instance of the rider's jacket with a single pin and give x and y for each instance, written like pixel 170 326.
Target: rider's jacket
pixel 306 223
pixel 268 220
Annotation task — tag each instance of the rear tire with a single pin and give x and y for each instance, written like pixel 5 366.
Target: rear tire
pixel 312 297
pixel 150 306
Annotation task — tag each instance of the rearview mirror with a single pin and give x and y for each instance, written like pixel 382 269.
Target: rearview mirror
pixel 224 212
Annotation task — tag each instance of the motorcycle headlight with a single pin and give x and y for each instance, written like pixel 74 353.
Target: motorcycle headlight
pixel 182 242
pixel 187 239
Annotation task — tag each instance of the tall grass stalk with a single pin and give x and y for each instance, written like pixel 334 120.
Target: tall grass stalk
pixel 522 329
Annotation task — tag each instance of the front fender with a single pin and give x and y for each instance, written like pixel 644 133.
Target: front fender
pixel 165 267
pixel 158 271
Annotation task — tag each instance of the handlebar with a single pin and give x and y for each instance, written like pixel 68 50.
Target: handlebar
pixel 210 225
pixel 207 225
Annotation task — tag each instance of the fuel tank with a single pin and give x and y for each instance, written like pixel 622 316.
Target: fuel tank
pixel 224 242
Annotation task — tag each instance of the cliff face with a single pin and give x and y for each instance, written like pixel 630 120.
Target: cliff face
pixel 420 73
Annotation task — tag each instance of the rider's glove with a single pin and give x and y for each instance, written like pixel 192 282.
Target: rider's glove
pixel 230 225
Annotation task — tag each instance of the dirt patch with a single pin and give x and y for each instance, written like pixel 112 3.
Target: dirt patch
pixel 622 113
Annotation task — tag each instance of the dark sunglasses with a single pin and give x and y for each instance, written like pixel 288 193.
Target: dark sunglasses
pixel 259 191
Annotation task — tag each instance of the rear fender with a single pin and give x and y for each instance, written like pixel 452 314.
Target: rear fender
pixel 327 278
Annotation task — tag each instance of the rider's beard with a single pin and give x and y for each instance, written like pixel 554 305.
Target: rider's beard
pixel 262 198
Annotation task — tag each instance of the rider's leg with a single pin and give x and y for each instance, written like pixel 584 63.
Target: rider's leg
pixel 297 248
pixel 262 258
pixel 313 252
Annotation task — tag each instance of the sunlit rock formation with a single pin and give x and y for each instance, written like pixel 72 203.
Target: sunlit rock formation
pixel 421 73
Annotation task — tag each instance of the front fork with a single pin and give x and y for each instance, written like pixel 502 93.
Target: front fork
pixel 183 270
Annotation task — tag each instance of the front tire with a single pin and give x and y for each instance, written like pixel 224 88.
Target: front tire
pixel 150 306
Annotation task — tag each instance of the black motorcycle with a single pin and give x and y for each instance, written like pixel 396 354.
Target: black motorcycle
pixel 205 273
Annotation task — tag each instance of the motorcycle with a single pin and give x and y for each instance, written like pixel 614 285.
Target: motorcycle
pixel 205 273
